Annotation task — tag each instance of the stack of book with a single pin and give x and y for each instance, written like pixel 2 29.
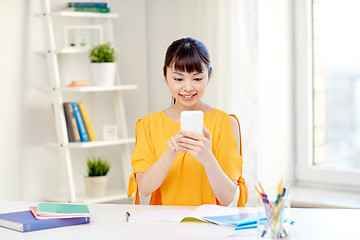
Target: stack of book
pixel 79 83
pixel 78 123
pixel 45 216
pixel 100 7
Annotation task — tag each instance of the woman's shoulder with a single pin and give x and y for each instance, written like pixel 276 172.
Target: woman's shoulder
pixel 151 117
pixel 219 114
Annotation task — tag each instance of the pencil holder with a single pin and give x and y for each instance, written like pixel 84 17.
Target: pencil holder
pixel 273 221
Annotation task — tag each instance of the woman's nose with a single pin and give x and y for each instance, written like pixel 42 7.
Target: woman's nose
pixel 188 86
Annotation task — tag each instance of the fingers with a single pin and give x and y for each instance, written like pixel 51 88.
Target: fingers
pixel 188 141
pixel 173 143
pixel 191 135
pixel 206 133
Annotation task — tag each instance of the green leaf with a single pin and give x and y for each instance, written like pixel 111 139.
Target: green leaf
pixel 97 166
pixel 102 53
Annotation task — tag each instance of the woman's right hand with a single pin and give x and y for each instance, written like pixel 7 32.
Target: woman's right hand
pixel 173 144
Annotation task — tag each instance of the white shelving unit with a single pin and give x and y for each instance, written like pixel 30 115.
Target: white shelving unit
pixel 58 89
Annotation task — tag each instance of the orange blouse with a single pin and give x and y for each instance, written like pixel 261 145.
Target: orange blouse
pixel 186 182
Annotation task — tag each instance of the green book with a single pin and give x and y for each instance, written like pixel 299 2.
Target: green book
pixel 62 209
pixel 88 9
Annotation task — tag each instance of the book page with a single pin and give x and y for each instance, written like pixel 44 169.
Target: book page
pixel 161 215
pixel 207 210
pixel 177 215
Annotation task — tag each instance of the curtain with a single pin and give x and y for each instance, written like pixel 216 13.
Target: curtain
pixel 230 30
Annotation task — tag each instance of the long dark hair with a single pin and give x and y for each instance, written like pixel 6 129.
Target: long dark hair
pixel 187 55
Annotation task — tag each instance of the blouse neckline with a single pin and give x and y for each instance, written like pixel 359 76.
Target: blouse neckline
pixel 169 119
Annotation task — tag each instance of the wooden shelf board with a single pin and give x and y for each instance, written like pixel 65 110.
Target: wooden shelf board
pixel 93 144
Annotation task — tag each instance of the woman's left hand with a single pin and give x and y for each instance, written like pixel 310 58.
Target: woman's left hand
pixel 199 146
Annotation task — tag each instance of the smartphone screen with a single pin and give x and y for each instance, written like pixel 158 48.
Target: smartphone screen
pixel 192 121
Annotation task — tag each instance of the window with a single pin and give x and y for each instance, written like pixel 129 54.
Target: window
pixel 328 92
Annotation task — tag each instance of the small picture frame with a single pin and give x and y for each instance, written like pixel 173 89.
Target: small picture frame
pixel 110 132
pixel 83 36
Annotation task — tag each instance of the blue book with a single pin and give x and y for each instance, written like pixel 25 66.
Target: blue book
pixel 236 221
pixel 80 122
pixel 25 221
pixel 86 4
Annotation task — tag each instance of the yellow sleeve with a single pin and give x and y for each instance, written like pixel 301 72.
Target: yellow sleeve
pixel 243 196
pixel 142 158
pixel 230 159
pixel 144 154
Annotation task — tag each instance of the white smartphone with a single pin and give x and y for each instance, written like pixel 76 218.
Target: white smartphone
pixel 192 121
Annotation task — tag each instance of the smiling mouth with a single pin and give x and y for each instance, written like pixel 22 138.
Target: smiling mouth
pixel 188 97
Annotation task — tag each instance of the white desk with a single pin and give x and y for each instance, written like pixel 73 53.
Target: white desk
pixel 108 222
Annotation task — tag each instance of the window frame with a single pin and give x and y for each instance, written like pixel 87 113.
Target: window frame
pixel 305 172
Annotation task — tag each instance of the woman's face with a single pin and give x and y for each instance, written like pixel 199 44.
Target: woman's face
pixel 187 88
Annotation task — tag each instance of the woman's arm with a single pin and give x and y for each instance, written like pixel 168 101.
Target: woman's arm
pixel 200 148
pixel 153 177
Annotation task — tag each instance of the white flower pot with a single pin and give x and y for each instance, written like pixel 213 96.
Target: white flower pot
pixel 96 186
pixel 103 74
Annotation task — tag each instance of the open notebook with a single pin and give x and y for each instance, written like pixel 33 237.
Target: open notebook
pixel 224 216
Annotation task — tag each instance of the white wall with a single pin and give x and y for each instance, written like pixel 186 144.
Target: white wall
pixel 275 118
pixel 12 66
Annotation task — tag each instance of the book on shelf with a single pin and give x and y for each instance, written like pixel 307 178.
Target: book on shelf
pixel 86 4
pixel 24 221
pixel 80 122
pixel 87 121
pixel 88 9
pixel 71 124
pixel 223 216
pixel 79 83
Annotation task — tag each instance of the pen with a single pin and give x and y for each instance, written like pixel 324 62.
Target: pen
pixel 264 200
pixel 271 219
pixel 263 191
pixel 127 216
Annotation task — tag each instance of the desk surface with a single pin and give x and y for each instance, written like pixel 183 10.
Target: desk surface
pixel 108 222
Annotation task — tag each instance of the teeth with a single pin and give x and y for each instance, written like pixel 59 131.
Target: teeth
pixel 187 97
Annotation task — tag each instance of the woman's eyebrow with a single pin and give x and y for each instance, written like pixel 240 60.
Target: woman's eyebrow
pixel 197 73
pixel 179 73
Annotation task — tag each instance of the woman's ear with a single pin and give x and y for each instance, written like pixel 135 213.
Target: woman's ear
pixel 164 74
pixel 210 72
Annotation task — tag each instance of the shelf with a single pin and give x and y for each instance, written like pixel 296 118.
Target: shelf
pixel 94 144
pixel 56 55
pixel 66 51
pixel 99 88
pixel 93 88
pixel 73 50
pixel 84 14
pixel 83 198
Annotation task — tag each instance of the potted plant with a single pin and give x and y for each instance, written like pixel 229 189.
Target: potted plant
pixel 102 58
pixel 96 180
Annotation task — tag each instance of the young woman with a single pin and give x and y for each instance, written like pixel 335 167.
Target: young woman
pixel 184 168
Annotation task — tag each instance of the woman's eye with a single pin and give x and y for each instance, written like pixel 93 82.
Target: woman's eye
pixel 197 79
pixel 178 79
